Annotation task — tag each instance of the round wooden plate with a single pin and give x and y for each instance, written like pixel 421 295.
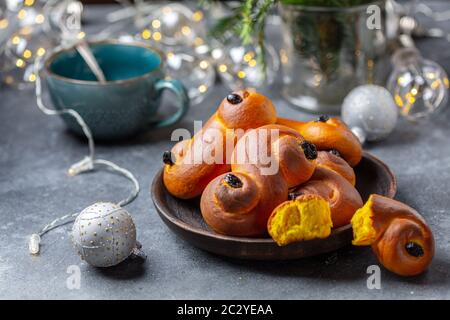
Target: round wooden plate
pixel 184 218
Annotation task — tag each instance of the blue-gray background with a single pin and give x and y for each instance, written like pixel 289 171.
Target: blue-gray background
pixel 36 150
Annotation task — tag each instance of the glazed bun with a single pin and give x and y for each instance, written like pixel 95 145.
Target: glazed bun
pixel 332 160
pixel 329 134
pixel 240 202
pixel 398 234
pixel 192 164
pixel 342 197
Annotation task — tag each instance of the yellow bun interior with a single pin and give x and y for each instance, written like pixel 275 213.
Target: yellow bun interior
pixel 304 218
pixel 364 234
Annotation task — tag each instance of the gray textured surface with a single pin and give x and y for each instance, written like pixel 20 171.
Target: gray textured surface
pixel 35 152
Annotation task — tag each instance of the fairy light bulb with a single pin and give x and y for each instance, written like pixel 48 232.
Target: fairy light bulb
pixel 4 23
pixel 239 68
pixel 195 71
pixel 419 86
pixel 173 25
pixel 21 49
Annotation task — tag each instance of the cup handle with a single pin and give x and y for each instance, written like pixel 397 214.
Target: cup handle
pixel 182 104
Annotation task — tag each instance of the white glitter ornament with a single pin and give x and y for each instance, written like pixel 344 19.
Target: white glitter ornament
pixel 370 112
pixel 104 234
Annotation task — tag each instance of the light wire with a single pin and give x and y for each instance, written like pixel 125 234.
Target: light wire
pixel 88 163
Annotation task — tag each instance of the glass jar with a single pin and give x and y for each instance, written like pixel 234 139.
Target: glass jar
pixel 327 51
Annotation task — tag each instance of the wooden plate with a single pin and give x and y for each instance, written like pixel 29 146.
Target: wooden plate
pixel 184 218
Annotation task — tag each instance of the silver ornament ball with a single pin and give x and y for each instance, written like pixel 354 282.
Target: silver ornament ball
pixel 104 234
pixel 370 112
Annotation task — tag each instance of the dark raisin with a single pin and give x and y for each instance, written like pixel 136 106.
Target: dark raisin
pixel 234 98
pixel 414 249
pixel 335 152
pixel 233 181
pixel 323 118
pixel 168 158
pixel 309 149
pixel 294 194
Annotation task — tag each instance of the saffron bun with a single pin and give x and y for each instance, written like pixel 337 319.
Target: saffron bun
pixel 398 234
pixel 186 172
pixel 332 160
pixel 329 134
pixel 240 202
pixel 342 196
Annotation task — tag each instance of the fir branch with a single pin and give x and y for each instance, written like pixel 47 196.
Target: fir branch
pixel 247 21
pixel 327 3
pixel 261 23
pixel 225 26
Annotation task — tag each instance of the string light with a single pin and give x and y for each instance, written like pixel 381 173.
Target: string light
pixel 156 24
pixel 20 63
pixel 9 80
pixel 27 54
pixel 248 56
pixel 146 34
pixel 197 16
pixel 181 32
pixel 157 36
pixel 26 30
pixel 430 75
pixel 283 56
pixel 252 63
pixel 81 35
pixel 198 41
pixel 40 51
pixel 99 212
pixel 195 71
pixel 238 67
pixel 4 23
pixel 39 19
pixel 22 14
pixel 32 77
pixel 186 30
pixel 177 26
pixel 223 68
pixel 15 40
pixel 418 85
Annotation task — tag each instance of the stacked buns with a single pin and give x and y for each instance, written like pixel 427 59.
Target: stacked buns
pixel 290 180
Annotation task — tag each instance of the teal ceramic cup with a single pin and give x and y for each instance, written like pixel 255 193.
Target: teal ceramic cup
pixel 123 106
